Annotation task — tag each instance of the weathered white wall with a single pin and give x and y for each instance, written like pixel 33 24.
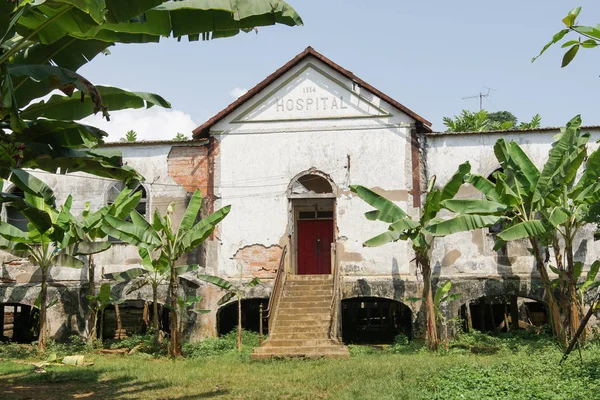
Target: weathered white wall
pixel 465 254
pixel 268 141
pixel 151 162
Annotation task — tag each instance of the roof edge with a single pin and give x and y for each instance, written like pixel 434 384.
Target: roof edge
pixel 545 129
pixel 203 130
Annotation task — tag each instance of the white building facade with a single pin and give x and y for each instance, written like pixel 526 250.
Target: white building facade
pixel 284 156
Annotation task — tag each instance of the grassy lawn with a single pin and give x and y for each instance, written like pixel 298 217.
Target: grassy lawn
pixel 515 370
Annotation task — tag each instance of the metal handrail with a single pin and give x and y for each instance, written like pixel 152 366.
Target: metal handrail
pixel 277 290
pixel 334 326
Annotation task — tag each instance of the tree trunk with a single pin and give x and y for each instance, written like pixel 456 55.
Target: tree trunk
pixel 574 307
pixel 557 328
pixel 91 315
pixel 175 346
pixel 119 323
pixel 468 317
pixel 239 330
pixel 431 335
pixel 43 311
pixel 155 314
pixel 514 312
pixel 101 333
pixel 145 319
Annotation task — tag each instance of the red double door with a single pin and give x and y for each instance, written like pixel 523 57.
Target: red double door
pixel 314 246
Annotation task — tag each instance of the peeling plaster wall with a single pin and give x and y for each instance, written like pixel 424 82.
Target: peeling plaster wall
pixel 444 153
pixel 19 280
pixel 258 160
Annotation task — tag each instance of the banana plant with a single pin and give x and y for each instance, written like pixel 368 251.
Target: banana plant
pixel 543 205
pixel 92 235
pixel 185 307
pixel 98 304
pixel 440 298
pixel 44 43
pixel 236 290
pixel 160 245
pixel 48 242
pixel 423 231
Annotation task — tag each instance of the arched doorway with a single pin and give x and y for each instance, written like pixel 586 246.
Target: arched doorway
pixel 495 314
pixel 19 323
pixel 374 320
pixel 312 201
pixel 227 316
pixel 134 317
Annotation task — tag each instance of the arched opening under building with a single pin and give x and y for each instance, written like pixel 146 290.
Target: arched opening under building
pixel 19 323
pixel 495 314
pixel 374 320
pixel 227 316
pixel 134 317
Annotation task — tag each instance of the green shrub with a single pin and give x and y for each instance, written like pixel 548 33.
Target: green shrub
pixel 221 345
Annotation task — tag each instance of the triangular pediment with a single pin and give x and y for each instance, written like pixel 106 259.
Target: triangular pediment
pixel 311 94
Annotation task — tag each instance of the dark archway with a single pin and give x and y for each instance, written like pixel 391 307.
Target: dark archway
pixel 494 314
pixel 19 323
pixel 136 319
pixel 227 316
pixel 374 320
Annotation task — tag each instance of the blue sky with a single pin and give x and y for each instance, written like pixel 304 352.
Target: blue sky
pixel 426 54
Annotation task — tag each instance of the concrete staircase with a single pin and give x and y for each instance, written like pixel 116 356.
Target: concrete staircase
pixel 302 321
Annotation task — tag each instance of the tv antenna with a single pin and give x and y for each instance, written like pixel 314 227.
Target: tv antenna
pixel 481 95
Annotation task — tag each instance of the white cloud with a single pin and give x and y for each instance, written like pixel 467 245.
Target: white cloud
pixel 155 123
pixel 237 92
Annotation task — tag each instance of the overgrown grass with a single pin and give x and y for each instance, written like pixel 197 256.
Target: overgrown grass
pixel 515 367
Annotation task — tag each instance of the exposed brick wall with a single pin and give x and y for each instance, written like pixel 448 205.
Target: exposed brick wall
pixel 258 260
pixel 189 167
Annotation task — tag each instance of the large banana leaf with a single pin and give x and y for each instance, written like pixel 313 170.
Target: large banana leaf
pixel 131 233
pixel 384 238
pixel 215 280
pixel 202 230
pixel 386 210
pixel 39 218
pixel 127 275
pixel 560 149
pixel 72 108
pixel 450 189
pixel 485 186
pixel 461 223
pixel 32 185
pixel 522 230
pixel 590 174
pixel 473 206
pixel 191 212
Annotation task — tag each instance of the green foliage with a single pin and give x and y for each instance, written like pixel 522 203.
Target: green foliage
pixel 588 37
pixel 130 136
pixel 180 137
pixel 225 344
pixel 483 121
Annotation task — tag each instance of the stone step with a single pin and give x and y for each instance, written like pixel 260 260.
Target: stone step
pixel 303 317
pixel 288 327
pixel 318 277
pixel 323 334
pixel 309 283
pixel 308 288
pixel 307 293
pixel 304 296
pixel 305 310
pixel 302 304
pixel 335 355
pixel 298 343
pixel 299 324
pixel 300 350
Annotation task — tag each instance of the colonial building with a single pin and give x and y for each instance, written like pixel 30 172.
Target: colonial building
pixel 284 156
